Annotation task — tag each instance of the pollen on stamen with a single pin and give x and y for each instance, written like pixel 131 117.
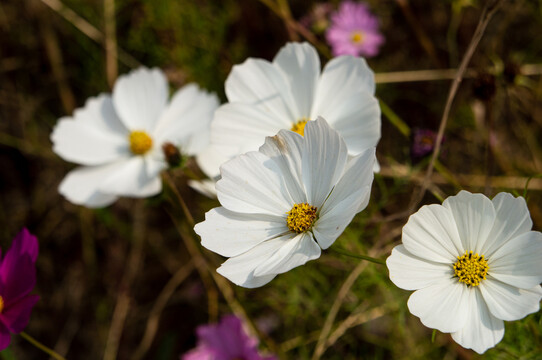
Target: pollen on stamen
pixel 299 126
pixel 357 37
pixel 1 304
pixel 140 142
pixel 301 217
pixel 471 268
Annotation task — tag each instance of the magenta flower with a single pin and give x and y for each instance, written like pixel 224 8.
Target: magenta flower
pixel 17 279
pixel 423 142
pixel 225 341
pixel 354 31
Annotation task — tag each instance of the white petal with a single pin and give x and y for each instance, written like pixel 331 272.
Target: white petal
pixel 259 83
pixel 508 302
pixel 239 128
pixel 357 119
pixel 209 161
pixel 205 187
pixel 342 76
pixel 328 228
pixel 348 197
pixel 323 160
pixel 519 261
pixel 358 174
pixel 443 306
pixel 285 150
pixel 410 272
pixel 187 119
pixel 481 330
pixel 474 215
pixel 130 179
pixel 230 234
pixel 94 135
pixel 432 234
pixel 301 66
pixel 253 183
pixel 240 269
pixel 80 186
pixel 293 253
pixel 140 97
pixel 512 219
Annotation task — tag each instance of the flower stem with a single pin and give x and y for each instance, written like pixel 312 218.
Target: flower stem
pixel 42 347
pixel 362 257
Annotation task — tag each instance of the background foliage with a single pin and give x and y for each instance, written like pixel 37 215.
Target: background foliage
pixel 107 276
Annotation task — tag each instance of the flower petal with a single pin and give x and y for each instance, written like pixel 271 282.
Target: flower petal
pixel 348 197
pixel 443 306
pixel 285 150
pixel 301 66
pixel 342 76
pixel 518 262
pixel 238 128
pixel 474 215
pixel 432 234
pixel 140 97
pixel 253 183
pixel 5 336
pixel 17 276
pixel 481 330
pixel 93 136
pixel 205 187
pixel 323 160
pixel 209 161
pixel 227 339
pixel 293 253
pixel 257 82
pixel 240 269
pixel 357 119
pixel 508 302
pixel 17 315
pixel 410 272
pixel 130 178
pixel 512 219
pixel 230 233
pixel 81 185
pixel 26 243
pixel 186 121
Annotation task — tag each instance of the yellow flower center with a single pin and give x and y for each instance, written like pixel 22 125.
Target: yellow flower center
pixel 357 37
pixel 301 217
pixel 1 304
pixel 140 142
pixel 299 126
pixel 471 268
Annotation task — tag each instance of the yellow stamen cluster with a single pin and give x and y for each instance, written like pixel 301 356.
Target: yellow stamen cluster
pixel 140 142
pixel 357 37
pixel 471 268
pixel 1 304
pixel 301 217
pixel 299 127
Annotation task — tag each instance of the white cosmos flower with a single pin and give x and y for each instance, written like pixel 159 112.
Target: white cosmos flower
pixel 473 262
pixel 284 203
pixel 118 139
pixel 265 97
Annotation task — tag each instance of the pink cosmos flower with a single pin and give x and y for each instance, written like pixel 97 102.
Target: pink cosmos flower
pixel 423 142
pixel 17 279
pixel 225 341
pixel 354 31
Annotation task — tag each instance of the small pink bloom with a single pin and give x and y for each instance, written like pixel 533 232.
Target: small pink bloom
pixel 354 31
pixel 17 279
pixel 225 341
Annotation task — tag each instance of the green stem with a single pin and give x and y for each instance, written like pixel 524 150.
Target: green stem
pixel 362 257
pixel 42 347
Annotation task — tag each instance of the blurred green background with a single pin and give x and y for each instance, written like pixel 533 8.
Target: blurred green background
pixel 131 280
